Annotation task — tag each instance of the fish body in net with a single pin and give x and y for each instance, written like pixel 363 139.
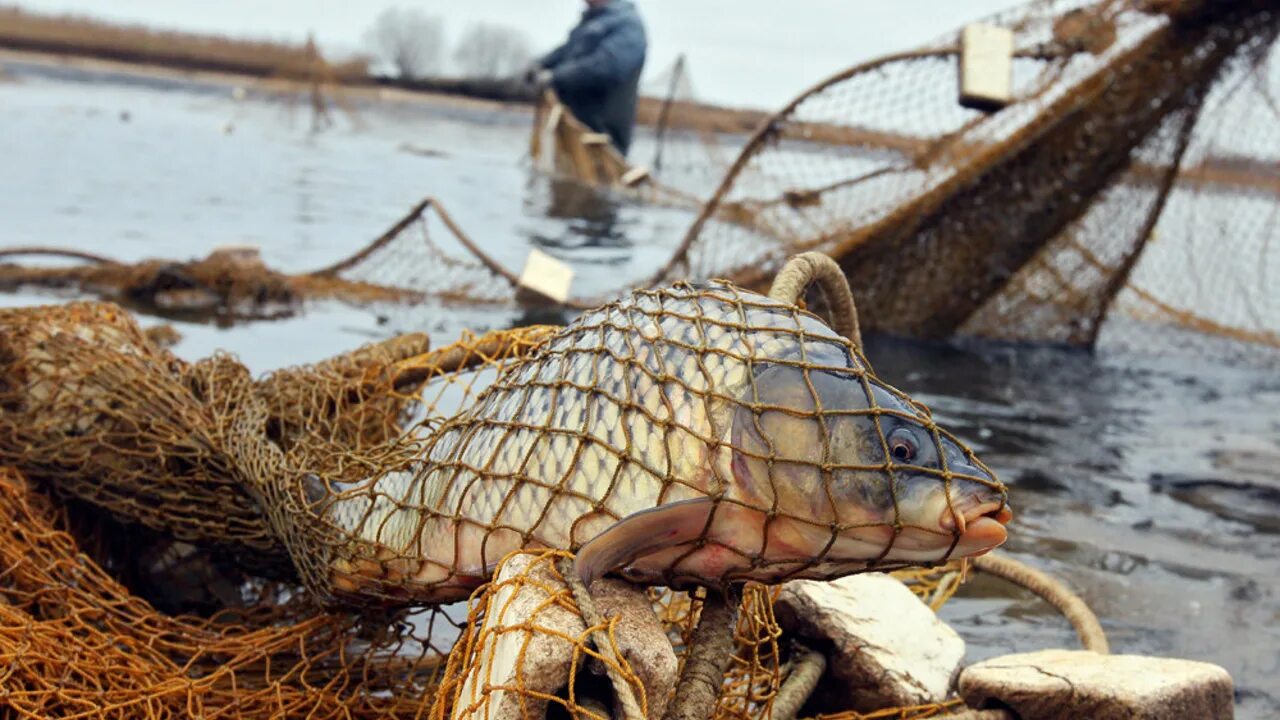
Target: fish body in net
pixel 692 434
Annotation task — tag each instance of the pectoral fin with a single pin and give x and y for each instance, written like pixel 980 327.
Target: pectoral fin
pixel 641 533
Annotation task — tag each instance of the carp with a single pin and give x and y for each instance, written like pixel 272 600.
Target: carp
pixel 695 434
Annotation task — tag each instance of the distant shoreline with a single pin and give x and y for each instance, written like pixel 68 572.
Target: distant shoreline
pixel 234 80
pixel 139 50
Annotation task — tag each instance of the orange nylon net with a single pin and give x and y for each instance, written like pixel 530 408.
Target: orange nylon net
pixel 281 450
pixel 76 643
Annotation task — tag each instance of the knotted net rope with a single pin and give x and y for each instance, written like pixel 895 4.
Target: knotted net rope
pixel 293 443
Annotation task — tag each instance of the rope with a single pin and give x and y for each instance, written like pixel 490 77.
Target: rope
pixel 807 666
pixel 1054 592
pixel 997 714
pixel 58 252
pixel 631 709
pixel 709 654
pixel 814 268
pixel 378 243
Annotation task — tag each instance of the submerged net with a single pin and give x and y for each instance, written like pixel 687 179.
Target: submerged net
pixel 1130 178
pixel 198 445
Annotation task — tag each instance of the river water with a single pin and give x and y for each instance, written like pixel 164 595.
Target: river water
pixel 1151 485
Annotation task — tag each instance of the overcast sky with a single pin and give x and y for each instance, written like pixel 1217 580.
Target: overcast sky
pixel 741 52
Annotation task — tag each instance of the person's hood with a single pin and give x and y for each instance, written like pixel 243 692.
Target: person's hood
pixel 610 8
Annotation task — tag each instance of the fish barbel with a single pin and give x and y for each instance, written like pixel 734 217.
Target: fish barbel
pixel 693 434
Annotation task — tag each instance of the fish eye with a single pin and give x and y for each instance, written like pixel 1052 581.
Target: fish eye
pixel 902 445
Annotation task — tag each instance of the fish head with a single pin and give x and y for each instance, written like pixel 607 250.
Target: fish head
pixel 852 474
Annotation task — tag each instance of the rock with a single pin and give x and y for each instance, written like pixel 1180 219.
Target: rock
pixel 887 648
pixel 1053 684
pixel 525 643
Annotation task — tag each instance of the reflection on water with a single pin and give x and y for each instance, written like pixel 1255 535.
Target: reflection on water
pixel 1149 485
pixel 591 214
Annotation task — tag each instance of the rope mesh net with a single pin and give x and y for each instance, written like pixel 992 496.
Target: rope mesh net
pixel 1136 150
pixel 769 446
pixel 341 514
pixel 1140 141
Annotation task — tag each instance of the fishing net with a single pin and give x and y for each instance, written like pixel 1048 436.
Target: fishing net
pixel 562 144
pixel 75 642
pixel 269 469
pixel 423 255
pixel 1139 141
pixel 231 283
pixel 93 407
pixel 1132 175
pixel 772 448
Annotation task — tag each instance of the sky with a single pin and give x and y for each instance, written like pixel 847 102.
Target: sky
pixel 750 53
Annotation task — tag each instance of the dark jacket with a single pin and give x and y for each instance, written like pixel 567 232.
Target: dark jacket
pixel 596 72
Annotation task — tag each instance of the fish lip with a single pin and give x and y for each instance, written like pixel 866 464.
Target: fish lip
pixel 956 518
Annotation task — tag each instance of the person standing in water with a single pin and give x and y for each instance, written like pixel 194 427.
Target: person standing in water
pixel 596 72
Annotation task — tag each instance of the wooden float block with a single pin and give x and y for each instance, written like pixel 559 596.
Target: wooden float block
pixel 986 67
pixel 546 277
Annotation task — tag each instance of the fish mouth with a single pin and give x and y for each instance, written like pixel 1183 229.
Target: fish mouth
pixel 978 528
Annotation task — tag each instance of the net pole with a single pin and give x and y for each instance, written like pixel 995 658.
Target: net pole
pixel 677 72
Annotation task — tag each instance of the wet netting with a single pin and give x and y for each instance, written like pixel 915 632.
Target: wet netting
pixel 408 530
pixel 1125 193
pixel 1131 175
pixel 682 146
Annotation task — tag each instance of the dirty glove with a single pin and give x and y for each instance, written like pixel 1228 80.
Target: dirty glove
pixel 531 73
pixel 542 79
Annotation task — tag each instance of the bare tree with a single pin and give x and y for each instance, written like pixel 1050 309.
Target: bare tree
pixel 488 50
pixel 409 39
